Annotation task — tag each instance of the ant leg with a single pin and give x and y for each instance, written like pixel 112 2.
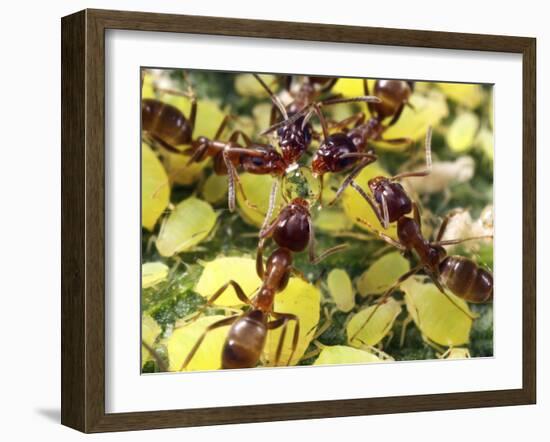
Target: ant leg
pixel 396 141
pixel 367 159
pixel 445 222
pixel 385 296
pixel 230 181
pixel 155 355
pixel 451 242
pixel 260 259
pixel 233 177
pixel 397 115
pixel 276 101
pixel 354 120
pixel 383 221
pixel 367 92
pixel 383 236
pixel 416 216
pixel 193 112
pixel 221 323
pixel 428 169
pixel 238 291
pixel 271 207
pixel 282 321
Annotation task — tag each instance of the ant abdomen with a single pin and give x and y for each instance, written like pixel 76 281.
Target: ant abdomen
pixel 466 279
pixel 245 341
pixel 393 93
pixel 165 122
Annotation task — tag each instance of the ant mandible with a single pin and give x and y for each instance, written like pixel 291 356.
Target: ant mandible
pixel 246 338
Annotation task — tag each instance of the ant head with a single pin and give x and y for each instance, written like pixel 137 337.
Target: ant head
pixel 270 162
pixel 301 202
pixel 377 182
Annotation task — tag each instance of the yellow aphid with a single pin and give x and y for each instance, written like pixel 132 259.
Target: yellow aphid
pixel 155 191
pixel 342 354
pixel 428 110
pixel 182 340
pixel 355 205
pixel 180 172
pixel 257 189
pixel 435 315
pixel 148 90
pixel 378 326
pixel 221 270
pixel 215 188
pixel 301 299
pixel 485 141
pixel 469 95
pixel 382 274
pixel 332 221
pixel 456 353
pixel 152 273
pixel 247 86
pixel 149 333
pixel 341 289
pixel 462 132
pixel 188 224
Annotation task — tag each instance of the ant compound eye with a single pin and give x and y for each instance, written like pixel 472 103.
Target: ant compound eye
pixel 257 161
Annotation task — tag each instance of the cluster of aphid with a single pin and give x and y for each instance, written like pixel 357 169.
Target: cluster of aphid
pixel 344 146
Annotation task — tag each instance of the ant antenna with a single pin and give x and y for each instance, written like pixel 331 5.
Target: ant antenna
pixel 276 101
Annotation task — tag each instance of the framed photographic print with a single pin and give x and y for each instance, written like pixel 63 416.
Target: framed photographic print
pixel 254 232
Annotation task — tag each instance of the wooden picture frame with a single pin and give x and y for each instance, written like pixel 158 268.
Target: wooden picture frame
pixel 83 219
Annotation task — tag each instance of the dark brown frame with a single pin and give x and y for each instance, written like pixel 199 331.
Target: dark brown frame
pixel 83 215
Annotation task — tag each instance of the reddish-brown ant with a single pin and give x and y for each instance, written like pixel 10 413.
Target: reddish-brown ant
pixel 255 158
pixel 394 96
pixel 246 338
pixel 462 276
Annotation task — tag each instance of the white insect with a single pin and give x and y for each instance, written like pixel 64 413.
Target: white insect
pixel 443 174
